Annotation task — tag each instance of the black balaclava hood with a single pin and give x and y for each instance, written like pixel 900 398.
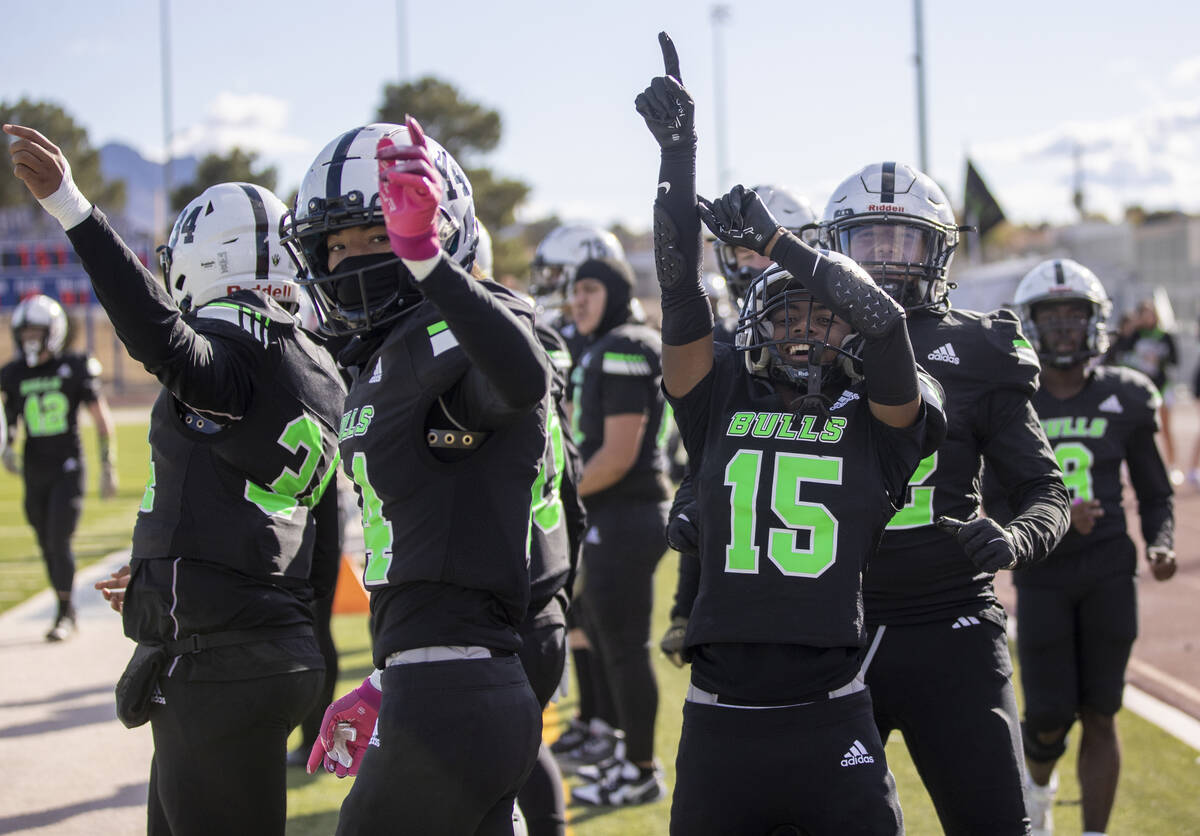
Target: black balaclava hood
pixel 617 279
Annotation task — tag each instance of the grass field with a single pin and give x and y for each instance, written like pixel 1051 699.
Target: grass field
pixel 1158 792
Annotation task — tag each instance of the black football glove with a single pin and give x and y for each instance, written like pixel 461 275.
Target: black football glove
pixel 666 106
pixel 739 218
pixel 672 641
pixel 986 542
pixel 682 534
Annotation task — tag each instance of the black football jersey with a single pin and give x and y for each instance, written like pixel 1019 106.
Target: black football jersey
pixel 46 399
pixel 260 475
pixel 1092 433
pixel 619 374
pixel 988 371
pixel 463 523
pixel 791 506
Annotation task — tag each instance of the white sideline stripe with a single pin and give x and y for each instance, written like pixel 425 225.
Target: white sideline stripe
pixel 1179 724
pixel 1163 678
pixel 84 578
pixel 1167 717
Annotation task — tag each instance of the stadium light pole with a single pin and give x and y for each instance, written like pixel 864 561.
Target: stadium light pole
pixel 720 16
pixel 919 63
pixel 164 18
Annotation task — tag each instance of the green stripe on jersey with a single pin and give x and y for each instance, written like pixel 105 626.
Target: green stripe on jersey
pixel 626 364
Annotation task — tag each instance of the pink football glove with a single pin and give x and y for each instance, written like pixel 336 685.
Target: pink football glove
pixel 409 190
pixel 346 730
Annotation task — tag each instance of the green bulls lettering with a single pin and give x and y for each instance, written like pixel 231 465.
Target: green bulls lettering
pixel 1082 427
pixel 785 426
pixel 355 422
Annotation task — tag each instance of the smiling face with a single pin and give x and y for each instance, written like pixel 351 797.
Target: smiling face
pixel 801 322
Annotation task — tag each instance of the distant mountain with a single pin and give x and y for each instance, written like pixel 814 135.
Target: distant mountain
pixel 143 180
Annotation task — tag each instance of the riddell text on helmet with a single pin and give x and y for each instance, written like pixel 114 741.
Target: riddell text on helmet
pixel 274 291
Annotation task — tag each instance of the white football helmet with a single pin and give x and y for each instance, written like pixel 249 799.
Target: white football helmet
pixel 793 212
pixel 341 190
pixel 564 249
pixel 39 312
pixel 483 251
pixel 1057 280
pixel 227 240
pixel 898 225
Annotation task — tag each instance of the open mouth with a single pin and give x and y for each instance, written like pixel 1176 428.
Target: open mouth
pixel 797 349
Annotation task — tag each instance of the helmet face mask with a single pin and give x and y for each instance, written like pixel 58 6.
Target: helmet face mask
pixel 226 240
pixel 1056 281
pixel 787 336
pixel 896 223
pixel 340 192
pixel 39 325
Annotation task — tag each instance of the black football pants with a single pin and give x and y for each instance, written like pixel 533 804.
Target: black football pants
pixel 456 740
pixel 948 689
pixel 219 754
pixel 52 506
pixel 543 655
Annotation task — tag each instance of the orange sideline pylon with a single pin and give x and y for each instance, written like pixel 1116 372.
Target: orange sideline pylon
pixel 350 594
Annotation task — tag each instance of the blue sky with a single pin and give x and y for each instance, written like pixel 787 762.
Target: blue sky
pixel 814 91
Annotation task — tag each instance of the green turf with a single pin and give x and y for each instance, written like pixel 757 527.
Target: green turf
pixel 1159 779
pixel 105 527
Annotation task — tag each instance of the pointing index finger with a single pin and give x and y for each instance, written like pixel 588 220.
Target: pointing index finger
pixel 670 56
pixel 414 131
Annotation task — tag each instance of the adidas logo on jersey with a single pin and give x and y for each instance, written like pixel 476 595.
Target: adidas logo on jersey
pixel 944 354
pixel 377 375
pixel 1111 404
pixel 964 621
pixel 857 755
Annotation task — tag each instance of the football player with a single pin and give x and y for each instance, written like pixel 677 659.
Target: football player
pixel 444 436
pixel 45 386
pixel 938 664
pixel 803 447
pixel 741 265
pixel 243 442
pixel 1077 610
pixel 562 250
pixel 620 422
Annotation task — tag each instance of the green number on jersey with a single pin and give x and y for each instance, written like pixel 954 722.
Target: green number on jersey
pixel 1075 461
pixel 148 496
pixel 918 511
pixel 377 530
pixel 283 494
pixel 547 509
pixel 46 414
pixel 742 474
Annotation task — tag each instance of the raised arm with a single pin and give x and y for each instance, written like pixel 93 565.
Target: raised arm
pixel 670 114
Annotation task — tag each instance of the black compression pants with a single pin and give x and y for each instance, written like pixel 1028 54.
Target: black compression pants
pixel 947 687
pixel 219 754
pixel 543 655
pixel 622 547
pixel 52 506
pixel 455 742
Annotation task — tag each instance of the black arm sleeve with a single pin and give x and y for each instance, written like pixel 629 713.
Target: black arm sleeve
pixel 686 314
pixel 1156 501
pixel 211 375
pixel 688 583
pixel 327 543
pixel 1017 453
pixel 507 359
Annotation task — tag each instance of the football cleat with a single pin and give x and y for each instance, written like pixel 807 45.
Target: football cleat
pixel 624 786
pixel 572 738
pixel 64 627
pixel 1039 803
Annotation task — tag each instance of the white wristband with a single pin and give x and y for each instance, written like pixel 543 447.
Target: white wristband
pixel 67 205
pixel 421 269
pixel 376 678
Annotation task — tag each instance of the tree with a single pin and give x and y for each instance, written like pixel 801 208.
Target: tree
pixel 60 128
pixel 467 130
pixel 464 128
pixel 237 166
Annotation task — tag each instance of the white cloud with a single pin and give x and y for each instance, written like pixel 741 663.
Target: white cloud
pixel 1185 72
pixel 249 121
